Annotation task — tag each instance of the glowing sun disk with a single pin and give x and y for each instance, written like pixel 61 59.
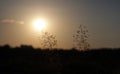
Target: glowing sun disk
pixel 39 24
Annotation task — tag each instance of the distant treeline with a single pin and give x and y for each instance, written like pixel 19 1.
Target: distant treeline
pixel 28 60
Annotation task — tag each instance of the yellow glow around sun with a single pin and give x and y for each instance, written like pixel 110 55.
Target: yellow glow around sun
pixel 39 24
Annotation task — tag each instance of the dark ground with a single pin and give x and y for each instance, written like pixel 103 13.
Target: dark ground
pixel 27 60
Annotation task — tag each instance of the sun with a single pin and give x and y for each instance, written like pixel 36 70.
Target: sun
pixel 39 24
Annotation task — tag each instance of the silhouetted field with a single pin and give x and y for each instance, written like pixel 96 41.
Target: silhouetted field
pixel 27 60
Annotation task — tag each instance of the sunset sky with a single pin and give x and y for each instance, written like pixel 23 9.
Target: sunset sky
pixel 101 17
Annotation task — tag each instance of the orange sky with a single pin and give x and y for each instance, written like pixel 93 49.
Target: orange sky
pixel 63 18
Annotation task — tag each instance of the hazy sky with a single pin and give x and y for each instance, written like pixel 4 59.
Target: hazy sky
pixel 102 18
